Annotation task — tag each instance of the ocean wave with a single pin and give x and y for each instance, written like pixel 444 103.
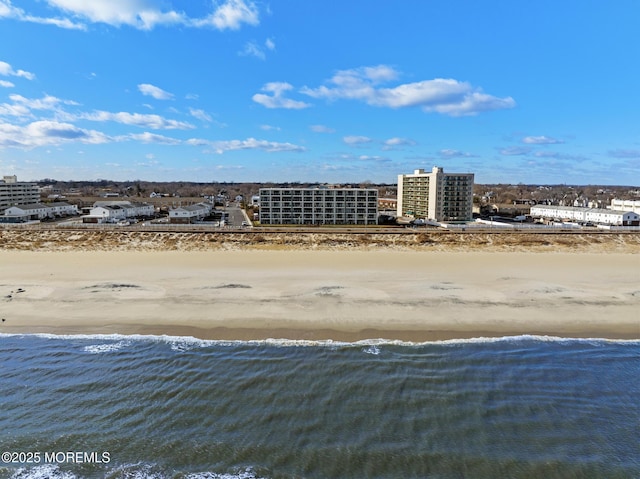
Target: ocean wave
pixel 106 347
pixel 44 471
pixel 373 349
pixel 187 343
pixel 128 471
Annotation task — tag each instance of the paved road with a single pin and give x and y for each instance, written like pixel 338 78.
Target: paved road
pixel 235 217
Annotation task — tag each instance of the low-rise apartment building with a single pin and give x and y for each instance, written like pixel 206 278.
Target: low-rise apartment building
pixel 39 211
pixel 318 206
pixel 576 214
pixel 625 205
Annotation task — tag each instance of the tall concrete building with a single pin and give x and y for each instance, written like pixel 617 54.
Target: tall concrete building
pixel 16 193
pixel 318 206
pixel 436 195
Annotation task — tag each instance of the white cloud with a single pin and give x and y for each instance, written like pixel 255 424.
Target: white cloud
pixel 380 73
pixel 19 111
pixel 140 14
pixel 251 49
pixel 155 122
pixel 45 133
pixel 350 158
pixel 441 95
pixel 452 153
pixel 557 156
pixel 376 158
pixel 356 140
pixel 152 90
pixel 321 129
pixel 277 100
pixel 9 11
pixel 6 84
pixel 472 104
pixel 270 128
pixel 624 153
pixel 541 140
pixel 231 15
pixel 221 147
pixel 396 143
pixel 47 102
pixel 515 150
pixel 200 114
pixel 6 9
pixel 7 70
pixel 147 137
pixel 22 107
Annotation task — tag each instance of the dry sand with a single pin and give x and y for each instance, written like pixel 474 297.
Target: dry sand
pixel 341 295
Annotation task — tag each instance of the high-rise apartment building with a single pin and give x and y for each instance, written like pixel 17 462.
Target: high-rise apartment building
pixel 318 206
pixel 436 195
pixel 16 193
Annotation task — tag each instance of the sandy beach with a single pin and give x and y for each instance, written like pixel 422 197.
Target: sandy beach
pixel 340 295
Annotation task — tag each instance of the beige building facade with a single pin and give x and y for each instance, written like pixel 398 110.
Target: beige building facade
pixel 16 193
pixel 436 195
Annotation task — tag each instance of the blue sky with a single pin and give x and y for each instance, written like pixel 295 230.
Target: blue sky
pixel 304 90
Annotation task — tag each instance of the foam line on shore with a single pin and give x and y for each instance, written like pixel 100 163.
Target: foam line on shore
pixel 184 343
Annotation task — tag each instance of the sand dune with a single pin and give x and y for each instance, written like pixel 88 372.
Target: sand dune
pixel 37 239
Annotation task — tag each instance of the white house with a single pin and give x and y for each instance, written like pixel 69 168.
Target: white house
pixel 189 214
pixel 613 217
pixel 132 210
pixel 60 208
pixel 40 211
pixel 114 211
pixel 105 214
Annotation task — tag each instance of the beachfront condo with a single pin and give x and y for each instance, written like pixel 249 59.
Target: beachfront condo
pixel 318 206
pixel 436 195
pixel 16 193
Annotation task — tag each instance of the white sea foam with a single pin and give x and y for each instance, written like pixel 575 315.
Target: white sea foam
pixel 186 343
pixel 136 471
pixel 246 474
pixel 128 471
pixel 44 471
pixel 373 349
pixel 106 347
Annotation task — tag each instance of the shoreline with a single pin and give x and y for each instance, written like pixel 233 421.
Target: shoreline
pixel 321 295
pixel 366 336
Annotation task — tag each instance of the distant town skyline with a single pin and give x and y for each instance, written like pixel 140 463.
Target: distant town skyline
pixel 254 91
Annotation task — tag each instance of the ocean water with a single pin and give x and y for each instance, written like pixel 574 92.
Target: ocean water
pixel 165 407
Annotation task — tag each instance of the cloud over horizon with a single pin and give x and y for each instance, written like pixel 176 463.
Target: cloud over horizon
pixel 221 146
